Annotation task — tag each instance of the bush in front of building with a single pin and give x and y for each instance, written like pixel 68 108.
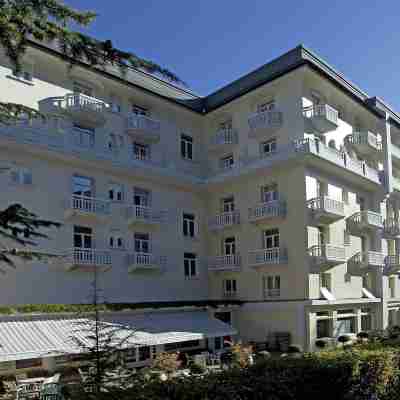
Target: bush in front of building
pixel 364 372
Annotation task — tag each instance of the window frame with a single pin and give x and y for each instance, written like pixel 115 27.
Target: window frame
pixel 186 147
pixel 190 265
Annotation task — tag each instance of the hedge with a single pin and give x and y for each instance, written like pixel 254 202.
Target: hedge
pixel 362 373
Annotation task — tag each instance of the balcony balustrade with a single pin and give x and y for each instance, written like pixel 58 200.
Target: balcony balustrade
pixel 143 128
pixel 326 256
pixel 82 206
pixel 264 124
pixel 84 110
pixel 392 264
pixel 363 221
pixel 391 228
pixel 364 262
pixel 231 262
pixel 224 220
pixel 365 143
pixel 263 257
pixel 267 212
pixel 321 118
pixel 145 262
pixel 324 210
pixel 88 260
pixel 142 215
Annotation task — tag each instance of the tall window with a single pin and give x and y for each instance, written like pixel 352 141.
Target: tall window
pixel 271 238
pixel 227 162
pixel 189 225
pixel 229 245
pixel 269 193
pixel 190 265
pixel 186 147
pixel 267 106
pixel 83 237
pixel 116 241
pixel 141 151
pixel 21 176
pixel 142 242
pixel 272 286
pixel 229 287
pixel 268 147
pixel 82 186
pixel 141 197
pixel 228 204
pixel 83 89
pixel 116 192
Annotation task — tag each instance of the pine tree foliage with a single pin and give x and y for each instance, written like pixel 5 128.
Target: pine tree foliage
pixel 50 21
pixel 21 228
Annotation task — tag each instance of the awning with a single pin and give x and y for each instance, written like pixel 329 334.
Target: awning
pixel 23 337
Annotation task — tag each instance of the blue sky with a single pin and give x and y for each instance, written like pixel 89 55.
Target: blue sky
pixel 210 43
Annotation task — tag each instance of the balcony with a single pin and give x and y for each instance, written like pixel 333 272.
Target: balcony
pixel 391 228
pixel 325 257
pixel 321 118
pixel 145 262
pixel 267 212
pixel 263 257
pixel 143 128
pixel 224 140
pixel 365 143
pixel 392 265
pixel 264 124
pixel 364 262
pixel 224 220
pixel 91 207
pixel 88 260
pixel 364 221
pixel 230 262
pixel 141 215
pixel 324 210
pixel 84 110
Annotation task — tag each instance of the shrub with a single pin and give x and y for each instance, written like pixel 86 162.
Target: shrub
pixel 362 335
pixel 241 355
pixel 166 362
pixel 196 368
pixel 344 339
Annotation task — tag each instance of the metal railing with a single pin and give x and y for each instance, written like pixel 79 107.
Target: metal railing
pixel 145 260
pixel 275 255
pixel 265 119
pixel 370 218
pixel 231 261
pixel 268 293
pixel 143 123
pixel 224 136
pixel 328 252
pixel 82 256
pixel 270 209
pixel 224 219
pixel 144 214
pixel 369 258
pixel 90 205
pixel 391 226
pixel 365 138
pixel 324 203
pixel 75 101
pixel 392 260
pixel 322 110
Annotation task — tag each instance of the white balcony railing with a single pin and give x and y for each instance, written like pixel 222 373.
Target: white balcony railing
pixel 224 137
pixel 144 214
pixel 363 219
pixel 266 119
pixel 271 293
pixel 369 259
pixel 224 263
pixel 90 205
pixel 90 257
pixel 392 261
pixel 271 209
pixel 76 101
pixel 326 204
pixel 327 253
pixel 391 227
pixel 322 110
pixel 143 123
pixel 365 138
pixel 224 220
pixel 230 294
pixel 145 261
pixel 274 255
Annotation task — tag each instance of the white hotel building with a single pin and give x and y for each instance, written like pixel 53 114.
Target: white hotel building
pixel 273 202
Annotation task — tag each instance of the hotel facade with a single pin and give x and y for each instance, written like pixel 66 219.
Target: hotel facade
pixel 275 199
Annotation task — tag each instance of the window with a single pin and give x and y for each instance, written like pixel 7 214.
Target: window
pixel 227 162
pixel 116 192
pixel 264 107
pixel 83 136
pixel 116 241
pixel 228 204
pixel 229 246
pixel 229 287
pixel 322 236
pixel 186 147
pixel 272 286
pixel 269 193
pixel 392 286
pixel 142 243
pixel 190 267
pixel 115 105
pixel 271 238
pixel 82 186
pixel 324 328
pixel 83 237
pixel 226 125
pixel 344 326
pixel 21 176
pixel 138 110
pixel 144 353
pixel 141 151
pixel 141 197
pixel 83 89
pixel 189 225
pixel 268 147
